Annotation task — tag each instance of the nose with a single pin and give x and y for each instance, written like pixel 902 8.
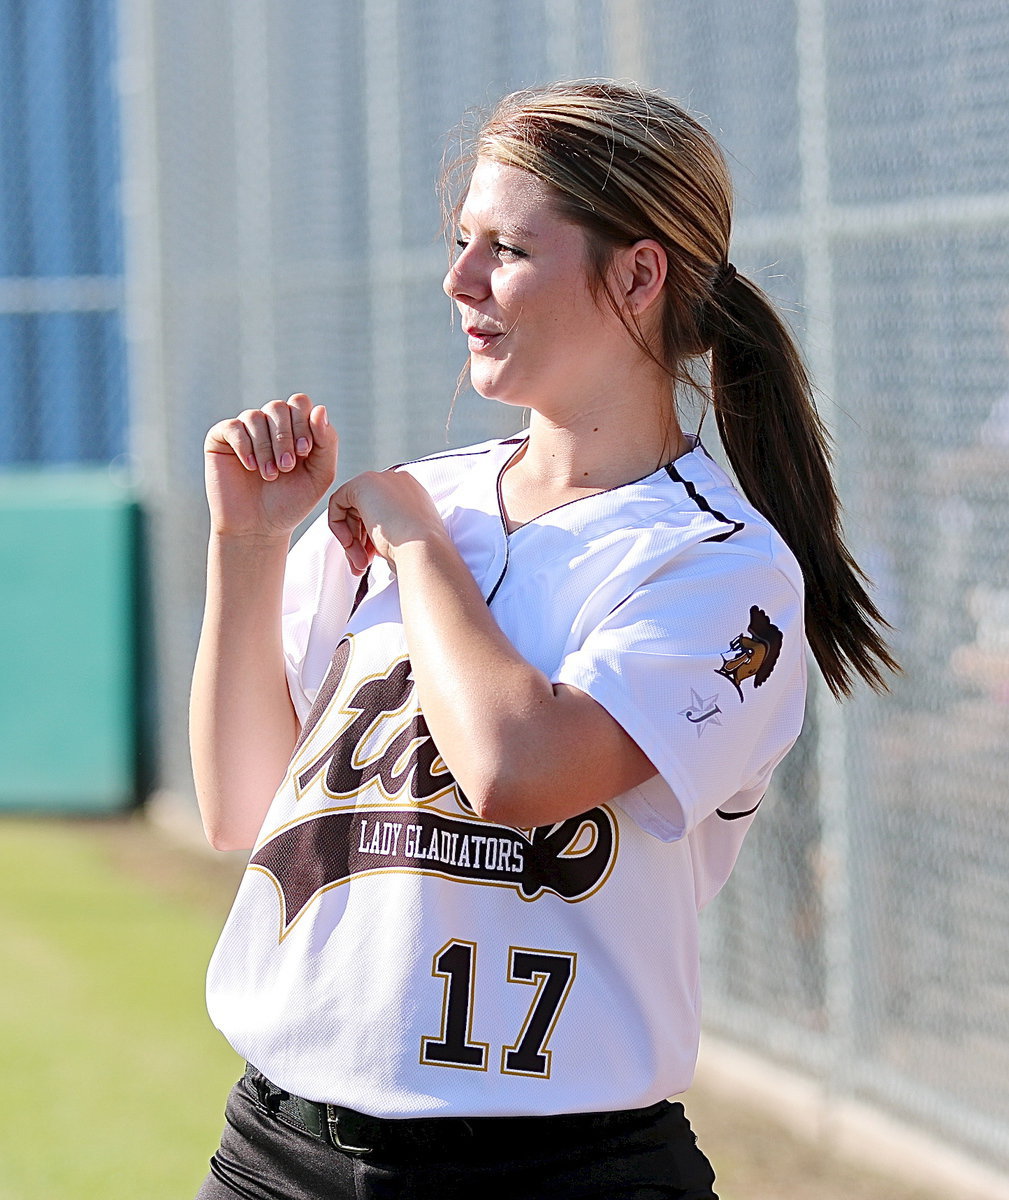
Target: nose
pixel 464 279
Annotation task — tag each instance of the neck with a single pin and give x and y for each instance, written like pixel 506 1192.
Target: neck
pixel 601 447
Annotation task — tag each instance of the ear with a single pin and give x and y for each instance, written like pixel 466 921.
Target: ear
pixel 639 273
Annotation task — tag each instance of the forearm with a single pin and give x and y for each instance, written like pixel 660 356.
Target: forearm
pixel 524 752
pixel 242 723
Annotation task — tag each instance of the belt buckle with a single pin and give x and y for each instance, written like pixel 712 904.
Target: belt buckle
pixel 341 1130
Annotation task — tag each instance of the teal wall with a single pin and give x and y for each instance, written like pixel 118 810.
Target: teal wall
pixel 68 635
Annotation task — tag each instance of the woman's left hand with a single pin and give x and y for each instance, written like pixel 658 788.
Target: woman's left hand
pixel 377 512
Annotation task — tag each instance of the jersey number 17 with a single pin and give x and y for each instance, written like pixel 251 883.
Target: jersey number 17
pixel 551 972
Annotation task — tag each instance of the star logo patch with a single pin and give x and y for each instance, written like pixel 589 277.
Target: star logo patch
pixel 702 711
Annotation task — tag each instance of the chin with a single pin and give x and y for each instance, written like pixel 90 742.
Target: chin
pixel 494 389
pixel 512 401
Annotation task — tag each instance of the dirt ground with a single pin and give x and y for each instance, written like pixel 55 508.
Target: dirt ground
pixel 756 1160
pixel 754 1157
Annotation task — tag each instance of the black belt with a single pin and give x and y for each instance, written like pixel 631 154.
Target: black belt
pixel 357 1133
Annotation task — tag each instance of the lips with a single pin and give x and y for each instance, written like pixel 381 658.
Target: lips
pixel 481 339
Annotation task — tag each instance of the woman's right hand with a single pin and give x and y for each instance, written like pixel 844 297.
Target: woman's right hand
pixel 267 468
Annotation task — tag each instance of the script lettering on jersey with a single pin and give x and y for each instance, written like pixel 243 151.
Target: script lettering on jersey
pixel 366 745
pixel 377 743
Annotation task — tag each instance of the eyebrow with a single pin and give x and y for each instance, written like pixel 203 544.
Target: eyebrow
pixel 519 231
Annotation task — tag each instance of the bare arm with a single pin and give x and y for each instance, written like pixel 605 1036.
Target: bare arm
pixel 266 470
pixel 242 724
pixel 525 751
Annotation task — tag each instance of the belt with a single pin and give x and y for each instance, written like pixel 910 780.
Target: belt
pixel 390 1138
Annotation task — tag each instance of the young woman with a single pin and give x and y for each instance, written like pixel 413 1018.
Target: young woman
pixel 521 701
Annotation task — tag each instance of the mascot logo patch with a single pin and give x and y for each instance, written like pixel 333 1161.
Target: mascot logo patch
pixel 752 655
pixel 382 799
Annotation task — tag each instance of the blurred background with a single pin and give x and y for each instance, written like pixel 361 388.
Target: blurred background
pixel 207 205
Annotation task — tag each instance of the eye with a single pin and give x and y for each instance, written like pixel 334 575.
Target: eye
pixel 501 250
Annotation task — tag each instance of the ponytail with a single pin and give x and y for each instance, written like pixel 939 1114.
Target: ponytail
pixel 780 451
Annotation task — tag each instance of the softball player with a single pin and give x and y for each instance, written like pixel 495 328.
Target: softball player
pixel 521 701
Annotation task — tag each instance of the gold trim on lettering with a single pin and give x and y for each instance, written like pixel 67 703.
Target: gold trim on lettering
pixel 539 979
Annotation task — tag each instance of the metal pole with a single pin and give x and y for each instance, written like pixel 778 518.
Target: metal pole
pixel 383 128
pixel 627 40
pixel 254 201
pixel 143 278
pixel 816 247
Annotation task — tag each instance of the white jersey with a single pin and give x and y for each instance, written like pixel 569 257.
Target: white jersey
pixel 391 951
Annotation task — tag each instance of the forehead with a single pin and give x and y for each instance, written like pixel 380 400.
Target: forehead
pixel 501 195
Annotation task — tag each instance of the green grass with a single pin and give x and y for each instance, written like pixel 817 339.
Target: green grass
pixel 113 1081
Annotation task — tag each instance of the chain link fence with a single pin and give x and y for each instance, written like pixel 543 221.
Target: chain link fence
pixel 281 233
pixel 62 386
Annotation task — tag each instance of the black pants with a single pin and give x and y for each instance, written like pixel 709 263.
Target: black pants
pixel 264 1157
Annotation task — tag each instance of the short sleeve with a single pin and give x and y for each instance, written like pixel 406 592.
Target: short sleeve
pixel 704 666
pixel 319 591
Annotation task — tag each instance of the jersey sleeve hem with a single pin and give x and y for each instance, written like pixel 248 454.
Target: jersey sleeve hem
pixel 646 805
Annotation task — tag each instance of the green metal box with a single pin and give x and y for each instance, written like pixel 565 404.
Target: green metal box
pixel 68 661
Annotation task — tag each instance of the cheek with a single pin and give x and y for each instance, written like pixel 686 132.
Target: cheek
pixel 547 306
pixel 510 292
pixel 583 321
